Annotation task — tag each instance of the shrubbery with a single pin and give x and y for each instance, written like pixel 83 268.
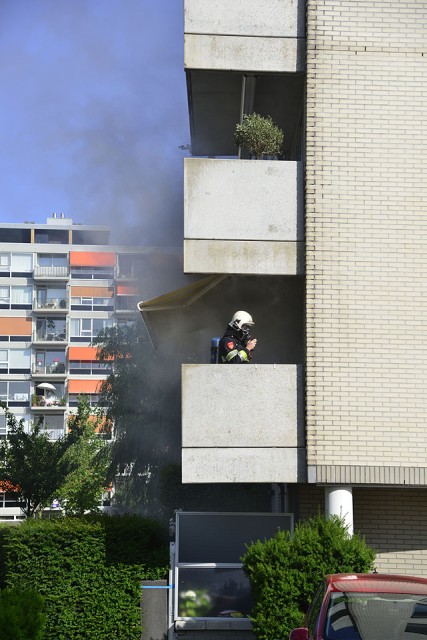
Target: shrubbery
pixel 22 615
pixel 88 570
pixel 285 571
pixel 259 136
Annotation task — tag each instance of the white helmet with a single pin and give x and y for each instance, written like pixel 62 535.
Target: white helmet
pixel 240 318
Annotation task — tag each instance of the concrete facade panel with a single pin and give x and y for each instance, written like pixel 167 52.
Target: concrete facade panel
pixel 244 406
pixel 243 465
pixel 240 53
pixel 243 199
pixel 271 18
pixel 243 257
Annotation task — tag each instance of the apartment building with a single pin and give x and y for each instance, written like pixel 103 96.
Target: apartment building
pixel 60 284
pixel 326 249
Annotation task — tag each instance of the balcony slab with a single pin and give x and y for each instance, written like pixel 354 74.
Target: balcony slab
pixel 244 257
pixel 242 424
pixel 243 465
pixel 272 18
pixel 240 53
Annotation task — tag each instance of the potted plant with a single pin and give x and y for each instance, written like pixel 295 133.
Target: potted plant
pixel 259 136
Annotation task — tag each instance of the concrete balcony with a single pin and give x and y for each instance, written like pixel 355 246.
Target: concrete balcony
pixel 243 217
pixel 259 36
pixel 241 57
pixel 243 423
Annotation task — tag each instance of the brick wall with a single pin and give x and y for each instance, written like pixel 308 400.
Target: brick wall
pixel 393 521
pixel 366 227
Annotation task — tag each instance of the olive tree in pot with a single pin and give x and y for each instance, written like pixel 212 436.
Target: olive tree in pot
pixel 259 136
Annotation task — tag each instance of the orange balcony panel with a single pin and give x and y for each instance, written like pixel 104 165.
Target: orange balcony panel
pixel 84 386
pixel 15 326
pixel 92 292
pixel 92 259
pixel 125 290
pixel 82 353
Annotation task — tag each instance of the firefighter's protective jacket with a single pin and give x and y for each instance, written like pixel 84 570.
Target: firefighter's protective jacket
pixel 232 350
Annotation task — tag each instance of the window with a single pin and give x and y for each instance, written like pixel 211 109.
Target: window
pixel 17 296
pixel 3 428
pixel 22 263
pixel 90 367
pixel 5 263
pixel 51 298
pixel 19 360
pixel 15 360
pixel 4 360
pixel 209 575
pixel 54 425
pixel 73 399
pixel 17 264
pixel 314 611
pixel 130 265
pixel 15 393
pixel 51 236
pixel 49 362
pixel 126 303
pixel 49 397
pixel 50 329
pixel 85 329
pixel 52 260
pixel 91 304
pixel 93 273
pixel 353 615
pixel 22 295
pixel 4 296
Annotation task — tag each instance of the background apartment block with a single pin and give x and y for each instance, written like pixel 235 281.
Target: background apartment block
pixel 60 284
pixel 334 411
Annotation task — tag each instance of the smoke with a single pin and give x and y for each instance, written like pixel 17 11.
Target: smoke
pixel 94 110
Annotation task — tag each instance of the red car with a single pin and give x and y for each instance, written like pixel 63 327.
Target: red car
pixel 367 606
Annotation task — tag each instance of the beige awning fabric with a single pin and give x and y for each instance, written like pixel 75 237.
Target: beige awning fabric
pixel 182 297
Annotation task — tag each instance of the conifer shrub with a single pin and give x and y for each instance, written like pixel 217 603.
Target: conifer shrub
pixel 22 615
pixel 285 571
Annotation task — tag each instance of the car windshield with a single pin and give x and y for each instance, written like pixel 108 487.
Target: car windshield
pixel 376 616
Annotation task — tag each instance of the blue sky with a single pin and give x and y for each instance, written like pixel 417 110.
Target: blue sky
pixel 92 115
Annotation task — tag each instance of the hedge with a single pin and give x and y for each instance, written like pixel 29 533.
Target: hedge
pixel 88 570
pixel 285 571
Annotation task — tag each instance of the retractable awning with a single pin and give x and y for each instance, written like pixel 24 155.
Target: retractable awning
pixel 177 299
pixel 182 297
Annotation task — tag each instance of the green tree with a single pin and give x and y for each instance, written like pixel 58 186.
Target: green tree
pixel 285 571
pixel 32 465
pixel 89 460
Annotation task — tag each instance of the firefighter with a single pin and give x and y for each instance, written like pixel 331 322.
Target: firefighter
pixel 236 346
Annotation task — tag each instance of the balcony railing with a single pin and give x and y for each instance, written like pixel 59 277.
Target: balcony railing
pixel 243 424
pixel 50 336
pixel 51 303
pixel 53 368
pixel 51 272
pixel 42 402
pixel 54 434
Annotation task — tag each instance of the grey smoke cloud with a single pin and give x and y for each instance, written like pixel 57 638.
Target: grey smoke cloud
pixel 93 112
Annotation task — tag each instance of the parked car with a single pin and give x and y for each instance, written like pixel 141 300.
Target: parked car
pixel 367 607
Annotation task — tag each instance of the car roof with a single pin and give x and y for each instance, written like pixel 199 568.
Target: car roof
pixel 377 583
